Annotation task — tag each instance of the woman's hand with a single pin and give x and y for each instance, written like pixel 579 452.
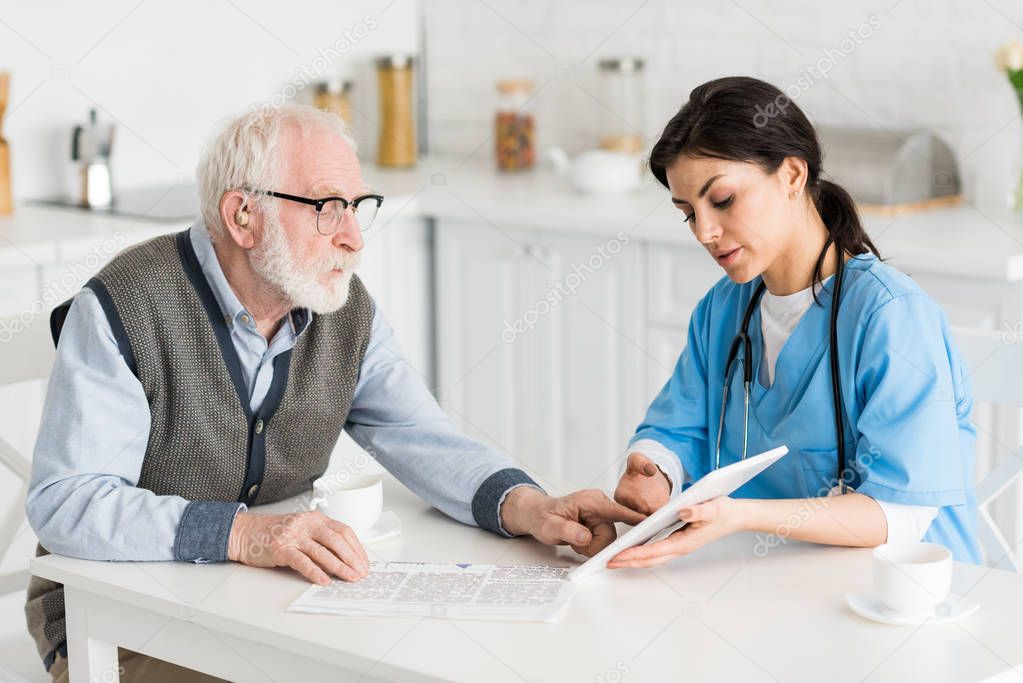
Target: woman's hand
pixel 643 487
pixel 707 522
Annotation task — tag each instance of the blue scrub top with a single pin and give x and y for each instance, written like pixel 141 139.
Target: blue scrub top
pixel 905 390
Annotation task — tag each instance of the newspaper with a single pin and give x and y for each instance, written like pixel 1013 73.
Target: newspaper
pixel 457 591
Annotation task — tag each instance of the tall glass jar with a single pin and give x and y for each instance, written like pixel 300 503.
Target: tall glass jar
pixel 397 142
pixel 623 92
pixel 515 128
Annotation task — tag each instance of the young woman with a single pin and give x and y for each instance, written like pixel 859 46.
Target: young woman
pixel 884 453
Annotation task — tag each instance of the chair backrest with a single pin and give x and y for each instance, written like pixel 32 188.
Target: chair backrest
pixel 26 353
pixel 995 364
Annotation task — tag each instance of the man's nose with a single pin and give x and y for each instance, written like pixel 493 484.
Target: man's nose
pixel 349 235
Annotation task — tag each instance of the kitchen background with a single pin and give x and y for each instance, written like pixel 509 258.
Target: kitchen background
pixel 167 73
pixel 467 254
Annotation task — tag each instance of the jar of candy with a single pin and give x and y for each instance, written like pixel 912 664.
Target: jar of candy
pixel 515 129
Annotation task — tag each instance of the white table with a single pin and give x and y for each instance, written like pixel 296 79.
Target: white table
pixel 721 614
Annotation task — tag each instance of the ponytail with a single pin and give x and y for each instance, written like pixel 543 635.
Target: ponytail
pixel 838 212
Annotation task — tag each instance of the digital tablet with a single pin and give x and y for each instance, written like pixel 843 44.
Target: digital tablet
pixel 665 521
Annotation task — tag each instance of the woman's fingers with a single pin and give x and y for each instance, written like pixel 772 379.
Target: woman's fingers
pixel 679 543
pixel 638 564
pixel 702 512
pixel 640 464
pixel 603 534
pixel 633 492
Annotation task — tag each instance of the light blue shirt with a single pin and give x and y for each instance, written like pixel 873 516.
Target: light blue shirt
pixel 905 393
pixel 83 500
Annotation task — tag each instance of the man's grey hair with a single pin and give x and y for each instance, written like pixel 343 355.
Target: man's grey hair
pixel 245 155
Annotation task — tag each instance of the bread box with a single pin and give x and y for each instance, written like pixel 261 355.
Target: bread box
pixel 891 171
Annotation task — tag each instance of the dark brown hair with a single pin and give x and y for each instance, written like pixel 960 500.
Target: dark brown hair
pixel 745 119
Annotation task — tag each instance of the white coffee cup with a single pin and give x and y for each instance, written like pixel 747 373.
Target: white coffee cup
pixel 912 578
pixel 357 501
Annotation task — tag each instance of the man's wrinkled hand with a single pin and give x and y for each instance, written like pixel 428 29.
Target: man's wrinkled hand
pixel 584 520
pixel 310 542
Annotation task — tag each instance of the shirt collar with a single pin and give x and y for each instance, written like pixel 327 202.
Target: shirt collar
pixel 233 310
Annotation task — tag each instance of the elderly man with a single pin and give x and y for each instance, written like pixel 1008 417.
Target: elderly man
pixel 206 371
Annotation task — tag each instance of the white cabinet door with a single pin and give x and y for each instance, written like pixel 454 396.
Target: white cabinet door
pixel 483 278
pixel 541 346
pixel 396 270
pixel 594 351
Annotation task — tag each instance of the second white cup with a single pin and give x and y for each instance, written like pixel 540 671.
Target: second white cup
pixel 357 501
pixel 912 578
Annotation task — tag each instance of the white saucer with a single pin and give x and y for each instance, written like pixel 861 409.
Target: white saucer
pixel 387 526
pixel 867 606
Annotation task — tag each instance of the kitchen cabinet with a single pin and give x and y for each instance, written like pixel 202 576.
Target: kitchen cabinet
pixel 541 345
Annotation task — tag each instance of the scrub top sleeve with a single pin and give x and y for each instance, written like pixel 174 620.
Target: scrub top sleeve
pixel 909 450
pixel 677 417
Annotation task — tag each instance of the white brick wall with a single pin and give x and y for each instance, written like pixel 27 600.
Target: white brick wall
pixel 169 72
pixel 930 64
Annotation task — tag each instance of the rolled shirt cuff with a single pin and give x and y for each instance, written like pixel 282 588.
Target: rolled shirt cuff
pixel 907 523
pixel 204 530
pixel 665 460
pixel 486 503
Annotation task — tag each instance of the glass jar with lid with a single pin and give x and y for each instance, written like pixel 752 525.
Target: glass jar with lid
pixel 515 128
pixel 623 92
pixel 396 144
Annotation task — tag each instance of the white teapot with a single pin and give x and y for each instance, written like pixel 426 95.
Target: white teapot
pixel 599 171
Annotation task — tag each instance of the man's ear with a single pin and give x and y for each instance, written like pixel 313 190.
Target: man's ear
pixel 238 217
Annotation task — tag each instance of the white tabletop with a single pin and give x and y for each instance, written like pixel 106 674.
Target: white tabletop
pixel 723 613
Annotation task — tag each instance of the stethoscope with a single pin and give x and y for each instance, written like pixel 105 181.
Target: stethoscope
pixel 742 340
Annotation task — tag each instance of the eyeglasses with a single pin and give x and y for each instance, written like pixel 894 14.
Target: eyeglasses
pixel 330 211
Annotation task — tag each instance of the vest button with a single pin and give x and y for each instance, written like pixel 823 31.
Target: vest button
pixel 253 490
pixel 259 426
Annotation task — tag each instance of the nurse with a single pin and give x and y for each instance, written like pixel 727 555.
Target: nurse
pixel 743 165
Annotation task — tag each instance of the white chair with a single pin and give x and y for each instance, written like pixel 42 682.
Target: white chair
pixel 995 362
pixel 27 355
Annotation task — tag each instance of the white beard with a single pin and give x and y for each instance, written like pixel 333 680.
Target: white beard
pixel 274 262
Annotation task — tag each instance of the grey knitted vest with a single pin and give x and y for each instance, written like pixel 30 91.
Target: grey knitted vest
pixel 205 444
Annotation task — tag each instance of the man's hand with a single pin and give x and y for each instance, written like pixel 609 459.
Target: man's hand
pixel 584 519
pixel 643 487
pixel 310 542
